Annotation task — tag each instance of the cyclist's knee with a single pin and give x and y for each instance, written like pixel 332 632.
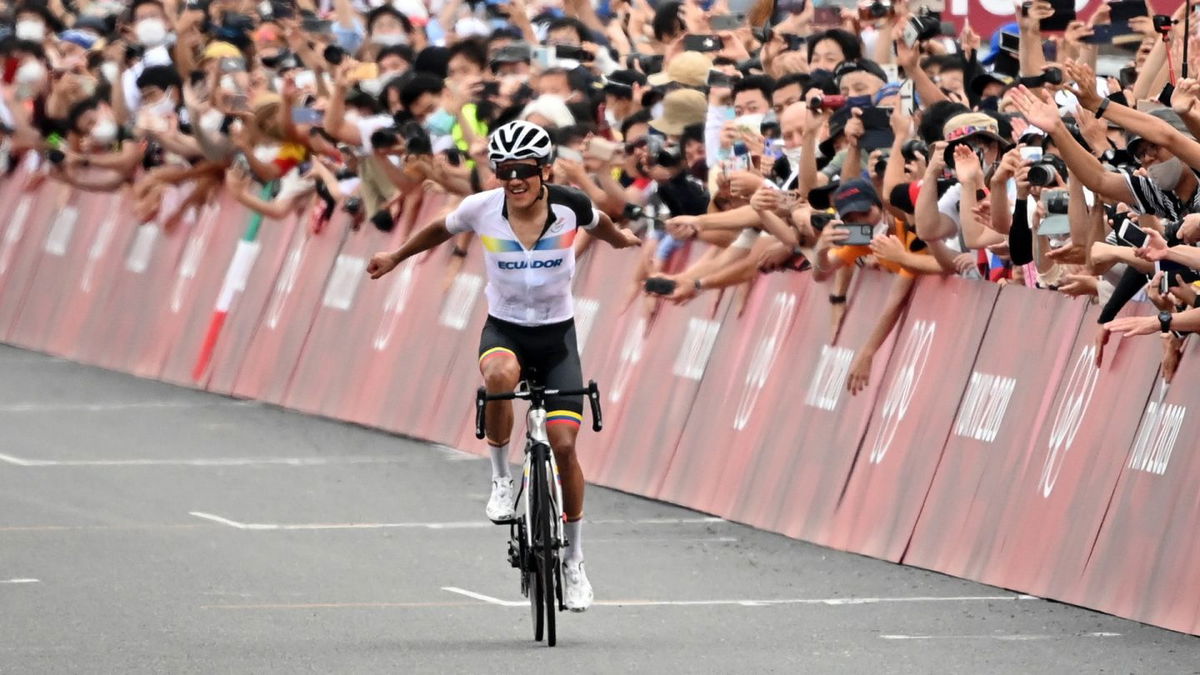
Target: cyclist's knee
pixel 501 374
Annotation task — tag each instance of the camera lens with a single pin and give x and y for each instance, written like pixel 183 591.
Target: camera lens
pixel 1042 174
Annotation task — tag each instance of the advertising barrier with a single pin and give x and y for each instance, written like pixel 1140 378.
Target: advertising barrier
pixel 987 444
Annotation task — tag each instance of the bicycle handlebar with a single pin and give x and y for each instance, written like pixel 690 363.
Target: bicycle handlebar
pixel 538 394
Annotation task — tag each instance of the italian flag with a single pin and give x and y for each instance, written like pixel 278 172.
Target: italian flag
pixel 235 282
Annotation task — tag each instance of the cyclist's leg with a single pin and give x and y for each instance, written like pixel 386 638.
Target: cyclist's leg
pixel 501 370
pixel 563 419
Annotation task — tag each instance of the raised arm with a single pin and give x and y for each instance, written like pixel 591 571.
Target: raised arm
pixel 431 236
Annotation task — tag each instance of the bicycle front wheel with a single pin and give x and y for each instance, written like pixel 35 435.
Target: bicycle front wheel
pixel 546 540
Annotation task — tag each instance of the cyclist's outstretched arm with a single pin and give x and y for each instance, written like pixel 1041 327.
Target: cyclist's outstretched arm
pixel 431 236
pixel 614 236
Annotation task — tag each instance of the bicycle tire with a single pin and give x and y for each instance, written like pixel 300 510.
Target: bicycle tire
pixel 537 605
pixel 547 550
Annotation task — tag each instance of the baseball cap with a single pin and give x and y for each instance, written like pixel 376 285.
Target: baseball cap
pixel 971 124
pixel 689 69
pixel 681 108
pixel 855 196
pixel 1167 115
pixel 858 66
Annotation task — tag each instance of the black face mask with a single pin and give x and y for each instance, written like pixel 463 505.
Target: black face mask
pixel 989 103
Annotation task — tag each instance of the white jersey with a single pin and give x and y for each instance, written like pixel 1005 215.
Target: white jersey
pixel 529 287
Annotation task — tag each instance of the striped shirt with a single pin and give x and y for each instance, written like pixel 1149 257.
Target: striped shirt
pixel 1149 198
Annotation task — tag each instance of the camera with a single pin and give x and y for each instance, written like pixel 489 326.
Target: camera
pixel 352 205
pixel 826 102
pixel 631 213
pixel 875 9
pixel 55 156
pixel 820 219
pixel 1057 202
pixel 1162 23
pixel 334 55
pixel 662 152
pixel 649 63
pixel 914 149
pixel 923 25
pixel 1045 171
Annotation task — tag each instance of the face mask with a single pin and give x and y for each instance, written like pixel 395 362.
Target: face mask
pixel 793 156
pixel 440 122
pixel 31 30
pixel 266 153
pixel 31 73
pixel 104 132
pixel 858 102
pixel 1166 174
pixel 162 107
pixel 821 74
pixel 211 121
pixel 389 39
pixel 989 103
pixel 88 85
pixel 228 83
pixel 372 86
pixel 151 32
pixel 110 71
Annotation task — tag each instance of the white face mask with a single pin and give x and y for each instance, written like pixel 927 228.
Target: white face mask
pixel 164 106
pixel 211 121
pixel 1166 174
pixel 31 73
pixel 151 32
pixel 793 156
pixel 111 71
pixel 31 30
pixel 228 83
pixel 373 86
pixel 389 39
pixel 266 153
pixel 104 132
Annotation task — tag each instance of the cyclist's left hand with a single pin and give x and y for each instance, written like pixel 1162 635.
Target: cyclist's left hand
pixel 381 263
pixel 630 239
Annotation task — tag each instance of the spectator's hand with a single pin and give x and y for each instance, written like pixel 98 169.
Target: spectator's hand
pixel 1143 25
pixel 1022 178
pixel 1068 255
pixel 937 160
pixel 1131 326
pixel 969 39
pixel 1189 230
pixel 765 199
pixel 732 47
pixel 381 263
pixel 774 256
pixel 854 127
pixel 570 169
pixel 888 247
pixel 816 120
pixel 1172 353
pixel 630 239
pixel 1094 131
pixel 1183 101
pixel 1085 84
pixel 1101 340
pixel 966 166
pixel 1075 34
pixel 1031 22
pixel 685 288
pixel 908 58
pixel 860 372
pixel 683 227
pixel 1080 284
pixel 902 126
pixel 983 213
pixel 1155 248
pixel 1102 15
pixel 832 236
pixel 744 183
pixel 1009 164
pixel 1183 293
pixel 1038 111
pixel 965 262
pixel 1163 304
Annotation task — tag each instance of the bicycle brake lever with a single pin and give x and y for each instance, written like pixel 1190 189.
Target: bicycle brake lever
pixel 594 399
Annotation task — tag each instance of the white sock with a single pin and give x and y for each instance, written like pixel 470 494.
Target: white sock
pixel 499 461
pixel 574 533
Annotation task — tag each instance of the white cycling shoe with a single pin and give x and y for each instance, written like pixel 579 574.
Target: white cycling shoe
pixel 500 504
pixel 577 590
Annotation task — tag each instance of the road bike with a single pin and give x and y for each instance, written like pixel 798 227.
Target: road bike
pixel 536 535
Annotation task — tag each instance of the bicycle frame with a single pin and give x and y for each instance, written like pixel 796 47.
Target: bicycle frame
pixel 535 435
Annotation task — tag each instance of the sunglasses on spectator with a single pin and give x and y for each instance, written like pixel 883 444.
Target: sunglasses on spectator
pixel 631 148
pixel 518 171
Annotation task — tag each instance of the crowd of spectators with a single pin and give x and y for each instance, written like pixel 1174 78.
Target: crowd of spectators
pixel 788 138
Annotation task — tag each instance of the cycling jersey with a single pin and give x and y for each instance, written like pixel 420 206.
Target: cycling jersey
pixel 527 287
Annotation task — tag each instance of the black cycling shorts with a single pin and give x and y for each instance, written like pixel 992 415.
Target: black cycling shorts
pixel 549 354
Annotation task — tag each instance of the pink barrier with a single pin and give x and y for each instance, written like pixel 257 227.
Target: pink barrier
pixel 986 445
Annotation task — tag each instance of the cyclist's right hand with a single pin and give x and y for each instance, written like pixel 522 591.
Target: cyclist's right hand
pixel 381 263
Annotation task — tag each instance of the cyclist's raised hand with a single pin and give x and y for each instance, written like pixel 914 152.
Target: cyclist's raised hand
pixel 381 263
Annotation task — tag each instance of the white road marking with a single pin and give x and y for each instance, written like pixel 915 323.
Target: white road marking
pixel 1009 638
pixel 831 602
pixel 202 461
pixel 451 525
pixel 486 598
pixel 106 407
pixel 456 455
pixel 663 540
pixel 20 581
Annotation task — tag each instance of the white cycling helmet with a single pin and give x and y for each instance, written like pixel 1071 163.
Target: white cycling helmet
pixel 520 140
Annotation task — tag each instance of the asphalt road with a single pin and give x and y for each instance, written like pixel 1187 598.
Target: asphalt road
pixel 148 528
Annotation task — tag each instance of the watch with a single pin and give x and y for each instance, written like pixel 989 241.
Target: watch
pixel 697 285
pixel 1164 321
pixel 1101 108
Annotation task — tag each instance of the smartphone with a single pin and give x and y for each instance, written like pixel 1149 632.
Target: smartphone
pixel 1164 97
pixel 660 286
pixel 860 235
pixel 489 89
pixel 1122 11
pixel 723 22
pixel 877 118
pixel 307 116
pixel 1064 14
pixel 828 16
pixel 1132 234
pixel 702 43
pixel 364 71
pixel 239 103
pixel 572 52
pixel 570 154
pixel 1102 34
pixel 601 149
pixel 907 104
pixel 232 64
pixel 1010 42
pixel 543 57
pixel 795 43
pixel 317 26
pixel 717 78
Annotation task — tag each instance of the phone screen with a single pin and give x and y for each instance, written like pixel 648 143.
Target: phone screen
pixel 1132 234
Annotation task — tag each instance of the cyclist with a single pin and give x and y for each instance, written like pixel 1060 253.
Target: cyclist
pixel 527 228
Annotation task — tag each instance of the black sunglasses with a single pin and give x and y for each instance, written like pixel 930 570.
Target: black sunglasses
pixel 518 171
